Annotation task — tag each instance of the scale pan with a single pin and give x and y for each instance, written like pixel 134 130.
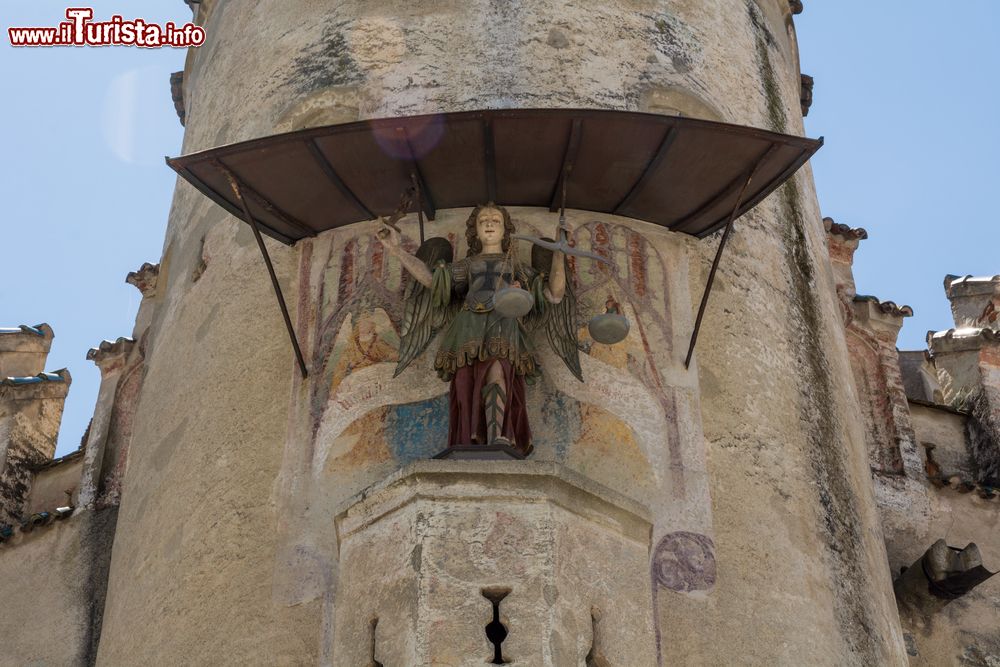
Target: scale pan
pixel 608 328
pixel 512 302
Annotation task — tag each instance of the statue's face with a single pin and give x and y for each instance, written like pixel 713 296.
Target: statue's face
pixel 489 226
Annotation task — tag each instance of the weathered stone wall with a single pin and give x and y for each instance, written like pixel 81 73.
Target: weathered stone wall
pixel 56 486
pixel 565 559
pixel 919 376
pixel 29 424
pixel 801 574
pixel 956 502
pixel 52 583
pixel 968 363
pixel 965 631
pixel 943 430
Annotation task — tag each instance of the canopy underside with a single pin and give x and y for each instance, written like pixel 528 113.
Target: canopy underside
pixel 681 173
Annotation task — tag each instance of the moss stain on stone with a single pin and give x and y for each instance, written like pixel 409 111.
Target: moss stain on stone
pixel 97 536
pixel 674 40
pixel 841 518
pixel 326 63
pixel 763 40
pixel 983 433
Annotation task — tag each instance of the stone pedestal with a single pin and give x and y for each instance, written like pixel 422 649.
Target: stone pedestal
pixel 427 555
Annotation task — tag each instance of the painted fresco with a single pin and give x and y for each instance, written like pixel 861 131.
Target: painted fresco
pixel 623 403
pixel 633 425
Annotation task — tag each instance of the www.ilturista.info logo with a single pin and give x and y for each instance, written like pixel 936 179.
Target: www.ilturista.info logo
pixel 79 30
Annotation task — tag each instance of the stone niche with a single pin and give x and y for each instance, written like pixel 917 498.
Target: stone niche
pixel 440 550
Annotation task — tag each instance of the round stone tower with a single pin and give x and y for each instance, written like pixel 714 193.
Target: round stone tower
pixel 668 515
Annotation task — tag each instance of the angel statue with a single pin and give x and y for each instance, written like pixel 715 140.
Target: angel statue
pixel 487 304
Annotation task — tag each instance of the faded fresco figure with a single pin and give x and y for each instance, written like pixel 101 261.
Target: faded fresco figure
pixel 487 304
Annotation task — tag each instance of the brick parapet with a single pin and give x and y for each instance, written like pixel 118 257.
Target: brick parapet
pixel 876 324
pixel 889 430
pixel 843 240
pixel 841 243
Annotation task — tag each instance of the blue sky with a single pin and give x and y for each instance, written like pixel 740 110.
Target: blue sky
pixel 905 95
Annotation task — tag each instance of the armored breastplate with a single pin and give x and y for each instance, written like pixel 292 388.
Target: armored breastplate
pixel 485 277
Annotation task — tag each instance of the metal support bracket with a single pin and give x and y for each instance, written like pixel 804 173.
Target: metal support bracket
pixel 718 258
pixel 420 203
pixel 234 183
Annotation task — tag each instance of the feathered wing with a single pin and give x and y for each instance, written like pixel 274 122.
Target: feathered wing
pixel 560 329
pixel 426 309
pixel 558 319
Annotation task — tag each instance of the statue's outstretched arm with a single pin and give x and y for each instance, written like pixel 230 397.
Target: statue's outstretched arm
pixel 556 288
pixel 391 238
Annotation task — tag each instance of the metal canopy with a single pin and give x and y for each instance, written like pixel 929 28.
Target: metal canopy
pixel 691 176
pixel 685 174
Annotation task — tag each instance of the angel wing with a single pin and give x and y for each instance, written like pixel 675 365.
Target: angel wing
pixel 426 309
pixel 558 319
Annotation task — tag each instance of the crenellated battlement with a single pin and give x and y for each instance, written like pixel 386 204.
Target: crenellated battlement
pixel 36 489
pixel 975 301
pixel 24 349
pixel 932 421
pixel 31 405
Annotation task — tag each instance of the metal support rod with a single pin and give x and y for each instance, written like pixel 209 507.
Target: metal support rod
pixel 264 203
pixel 569 158
pixel 270 269
pixel 420 204
pixel 715 267
pixel 562 206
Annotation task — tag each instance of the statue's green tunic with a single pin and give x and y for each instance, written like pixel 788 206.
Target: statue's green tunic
pixel 479 337
pixel 478 333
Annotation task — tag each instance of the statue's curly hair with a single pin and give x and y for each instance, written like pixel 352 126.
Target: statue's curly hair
pixel 472 238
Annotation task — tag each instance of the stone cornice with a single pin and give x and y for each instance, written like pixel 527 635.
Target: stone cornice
pixel 40 330
pixel 806 93
pixel 886 317
pixel 109 352
pixel 937 406
pixel 966 339
pixel 885 307
pixel 12 536
pixel 177 94
pixel 75 455
pixel 551 480
pixel 971 285
pixel 845 232
pixel 25 338
pixel 43 385
pixel 145 279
